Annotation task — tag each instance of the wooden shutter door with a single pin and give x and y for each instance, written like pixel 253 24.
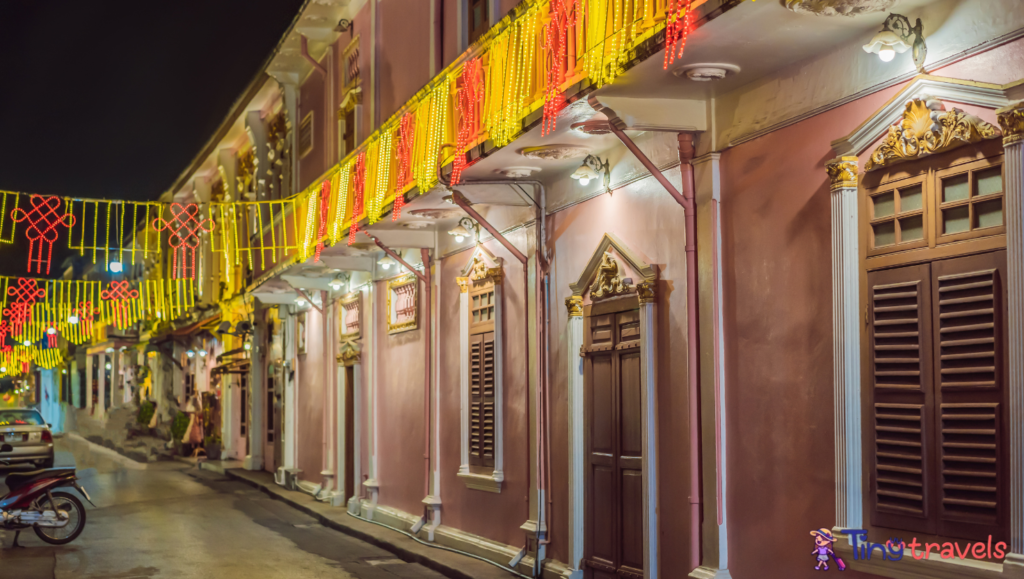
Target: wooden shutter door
pixel 481 400
pixel 902 421
pixel 614 424
pixel 968 297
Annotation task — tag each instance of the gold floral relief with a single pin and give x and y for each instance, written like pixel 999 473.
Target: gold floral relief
pixel 608 282
pixel 1011 120
pixel 575 306
pixel 842 172
pixel 928 128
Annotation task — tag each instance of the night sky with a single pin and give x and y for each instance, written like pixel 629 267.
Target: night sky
pixel 113 99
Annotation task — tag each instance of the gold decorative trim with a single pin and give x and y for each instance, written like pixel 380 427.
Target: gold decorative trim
pixel 1011 121
pixel 842 173
pixel 348 300
pixel 575 306
pixel 463 284
pixel 645 292
pixel 928 128
pixel 608 282
pixel 394 284
pixel 349 355
pixel 637 263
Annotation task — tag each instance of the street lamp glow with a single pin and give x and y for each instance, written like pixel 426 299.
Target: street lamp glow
pixel 72 319
pixel 27 343
pixel 202 353
pixel 115 267
pixel 190 353
pixel 108 365
pixel 248 346
pixel 51 330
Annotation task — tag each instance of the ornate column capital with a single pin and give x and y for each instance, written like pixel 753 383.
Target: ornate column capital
pixel 842 172
pixel 575 306
pixel 645 292
pixel 463 284
pixel 1011 121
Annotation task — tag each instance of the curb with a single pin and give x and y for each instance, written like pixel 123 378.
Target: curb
pixel 394 547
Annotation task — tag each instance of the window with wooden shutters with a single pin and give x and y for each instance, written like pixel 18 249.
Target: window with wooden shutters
pixel 481 375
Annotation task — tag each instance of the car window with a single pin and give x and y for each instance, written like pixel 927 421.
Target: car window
pixel 20 418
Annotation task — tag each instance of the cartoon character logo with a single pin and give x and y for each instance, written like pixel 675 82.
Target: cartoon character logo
pixel 823 540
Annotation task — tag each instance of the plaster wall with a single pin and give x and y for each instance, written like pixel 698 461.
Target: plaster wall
pixel 400 396
pixel 309 409
pixel 404 57
pixel 494 516
pixel 777 313
pixel 312 97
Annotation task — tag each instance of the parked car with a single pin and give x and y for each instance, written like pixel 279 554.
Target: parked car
pixel 28 435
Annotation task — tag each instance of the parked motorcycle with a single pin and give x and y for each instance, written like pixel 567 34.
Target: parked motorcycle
pixel 57 517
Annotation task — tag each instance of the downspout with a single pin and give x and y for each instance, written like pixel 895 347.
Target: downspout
pixel 305 54
pixel 686 200
pixel 425 278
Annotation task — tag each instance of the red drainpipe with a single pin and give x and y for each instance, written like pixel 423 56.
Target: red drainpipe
pixel 686 199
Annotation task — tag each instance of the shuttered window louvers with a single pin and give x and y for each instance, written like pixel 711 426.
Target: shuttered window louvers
pixel 487 400
pixel 969 349
pixel 475 391
pixel 900 351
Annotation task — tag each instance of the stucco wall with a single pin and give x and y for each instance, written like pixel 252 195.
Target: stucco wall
pixel 404 62
pixel 310 399
pixel 312 98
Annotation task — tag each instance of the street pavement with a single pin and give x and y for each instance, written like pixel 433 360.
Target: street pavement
pixel 171 520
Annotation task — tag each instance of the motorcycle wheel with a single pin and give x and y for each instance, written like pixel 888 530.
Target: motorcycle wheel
pixel 67 503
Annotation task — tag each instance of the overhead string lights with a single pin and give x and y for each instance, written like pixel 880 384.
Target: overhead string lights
pixel 46 214
pixel 118 295
pixel 324 204
pixel 468 101
pixel 677 29
pixel 556 41
pixel 185 226
pixel 404 151
pixel 358 184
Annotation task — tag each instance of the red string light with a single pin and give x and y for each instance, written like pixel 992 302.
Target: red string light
pixel 325 201
pixel 86 313
pixel 677 29
pixel 467 101
pixel 556 39
pixel 43 221
pixel 406 140
pixel 119 292
pixel 358 184
pixel 51 337
pixel 185 226
pixel 25 294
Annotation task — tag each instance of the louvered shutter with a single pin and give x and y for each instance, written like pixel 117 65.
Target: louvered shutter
pixel 901 414
pixel 970 366
pixel 481 396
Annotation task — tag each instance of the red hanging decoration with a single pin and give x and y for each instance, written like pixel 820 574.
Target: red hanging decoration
pixel 358 185
pixel 325 202
pixel 86 313
pixel 119 292
pixel 185 226
pixel 4 329
pixel 51 337
pixel 677 29
pixel 406 140
pixel 25 294
pixel 556 41
pixel 43 220
pixel 467 101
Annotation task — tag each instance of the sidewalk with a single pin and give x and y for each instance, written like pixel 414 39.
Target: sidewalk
pixel 445 562
pixel 217 466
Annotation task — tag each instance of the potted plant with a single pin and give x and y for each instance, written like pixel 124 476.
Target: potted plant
pixel 178 428
pixel 212 446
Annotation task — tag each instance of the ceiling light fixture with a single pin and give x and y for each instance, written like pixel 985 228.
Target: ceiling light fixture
pixel 464 229
pixel 897 36
pixel 386 262
pixel 592 168
pixel 337 283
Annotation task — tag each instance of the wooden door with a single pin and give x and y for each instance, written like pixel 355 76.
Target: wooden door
pixel 350 433
pixel 614 542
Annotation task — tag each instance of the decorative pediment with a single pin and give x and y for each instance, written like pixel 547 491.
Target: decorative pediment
pixel 482 267
pixel 349 355
pixel 927 128
pixel 605 277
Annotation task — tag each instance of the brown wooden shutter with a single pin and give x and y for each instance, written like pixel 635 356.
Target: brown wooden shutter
pixel 481 395
pixel 901 398
pixel 970 367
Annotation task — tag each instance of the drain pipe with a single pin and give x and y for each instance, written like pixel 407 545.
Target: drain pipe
pixel 425 278
pixel 686 199
pixel 304 46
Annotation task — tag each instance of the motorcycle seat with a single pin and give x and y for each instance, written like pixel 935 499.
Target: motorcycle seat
pixel 20 479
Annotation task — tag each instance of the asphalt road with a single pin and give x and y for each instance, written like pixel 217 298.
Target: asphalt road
pixel 173 521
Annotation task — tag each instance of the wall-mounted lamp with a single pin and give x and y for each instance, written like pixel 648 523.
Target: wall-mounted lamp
pixel 897 36
pixel 202 353
pixel 464 229
pixel 301 302
pixel 115 267
pixel 337 283
pixel 592 168
pixel 386 262
pixel 190 353
pixel 108 366
pixel 247 346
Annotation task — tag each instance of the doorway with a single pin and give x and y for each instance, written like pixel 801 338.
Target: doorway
pixel 613 426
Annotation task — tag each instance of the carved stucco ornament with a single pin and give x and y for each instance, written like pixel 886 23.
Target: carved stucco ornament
pixel 928 128
pixel 839 7
pixel 608 282
pixel 464 284
pixel 1011 120
pixel 645 292
pixel 842 173
pixel 349 355
pixel 574 304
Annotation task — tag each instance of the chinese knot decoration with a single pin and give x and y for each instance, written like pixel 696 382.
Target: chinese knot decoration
pixel 325 202
pixel 25 294
pixel 86 313
pixel 359 185
pixel 406 140
pixel 467 101
pixel 119 293
pixel 4 329
pixel 43 220
pixel 677 28
pixel 185 225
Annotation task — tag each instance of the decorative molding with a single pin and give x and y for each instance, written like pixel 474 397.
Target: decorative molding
pixel 483 482
pixel 842 173
pixel 574 304
pixel 350 354
pixel 463 284
pixel 609 282
pixel 927 128
pixel 1011 121
pixel 638 263
pixel 922 87
pixel 645 292
pixel 839 7
pixel 408 318
pixel 350 316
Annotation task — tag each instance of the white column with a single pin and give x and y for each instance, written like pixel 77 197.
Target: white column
pixel 289 416
pixel 101 391
pixel 846 342
pixel 574 335
pixel 257 394
pixel 369 330
pixel 116 381
pixel 648 405
pixel 88 382
pixel 464 375
pixel 1011 120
